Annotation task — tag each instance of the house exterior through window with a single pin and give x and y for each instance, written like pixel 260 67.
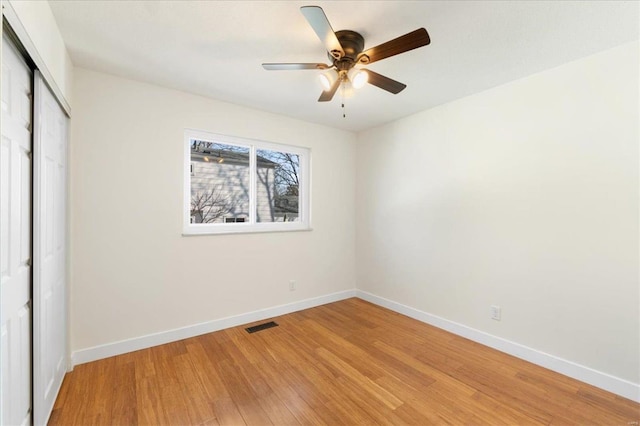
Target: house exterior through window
pixel 240 185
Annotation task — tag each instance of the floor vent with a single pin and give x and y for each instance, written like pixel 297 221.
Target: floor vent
pixel 261 327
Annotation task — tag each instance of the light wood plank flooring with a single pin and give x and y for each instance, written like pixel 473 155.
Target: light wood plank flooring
pixel 348 362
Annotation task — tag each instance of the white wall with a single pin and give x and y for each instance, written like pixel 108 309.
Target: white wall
pixel 524 196
pixel 38 31
pixel 132 272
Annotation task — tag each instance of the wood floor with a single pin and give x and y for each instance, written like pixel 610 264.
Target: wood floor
pixel 348 362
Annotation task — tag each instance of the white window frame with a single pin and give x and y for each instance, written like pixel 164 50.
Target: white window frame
pixel 304 212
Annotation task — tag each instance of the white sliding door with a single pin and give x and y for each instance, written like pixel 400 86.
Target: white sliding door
pixel 15 237
pixel 50 254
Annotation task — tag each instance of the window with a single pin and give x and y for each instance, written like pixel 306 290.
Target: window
pixel 241 185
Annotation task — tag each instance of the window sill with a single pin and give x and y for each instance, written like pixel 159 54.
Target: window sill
pixel 242 229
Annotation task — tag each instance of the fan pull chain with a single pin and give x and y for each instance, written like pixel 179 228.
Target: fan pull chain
pixel 344 114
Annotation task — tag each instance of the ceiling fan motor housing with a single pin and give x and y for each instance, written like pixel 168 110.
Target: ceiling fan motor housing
pixel 353 44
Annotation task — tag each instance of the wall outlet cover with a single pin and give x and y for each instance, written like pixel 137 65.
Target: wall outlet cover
pixel 496 312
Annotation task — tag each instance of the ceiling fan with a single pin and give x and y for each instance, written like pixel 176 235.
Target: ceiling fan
pixel 345 50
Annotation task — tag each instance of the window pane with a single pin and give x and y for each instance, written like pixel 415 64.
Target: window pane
pixel 219 183
pixel 277 186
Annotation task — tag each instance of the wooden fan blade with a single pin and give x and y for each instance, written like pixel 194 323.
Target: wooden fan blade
pixel 320 24
pixel 293 66
pixel 410 41
pixel 327 95
pixel 385 83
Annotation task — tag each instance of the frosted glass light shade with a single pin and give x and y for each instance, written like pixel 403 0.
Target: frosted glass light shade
pixel 358 78
pixel 326 80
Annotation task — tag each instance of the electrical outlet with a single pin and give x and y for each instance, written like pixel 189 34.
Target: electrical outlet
pixel 292 285
pixel 496 312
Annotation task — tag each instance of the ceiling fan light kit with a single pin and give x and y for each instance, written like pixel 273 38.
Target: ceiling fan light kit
pixel 327 79
pixel 358 77
pixel 345 50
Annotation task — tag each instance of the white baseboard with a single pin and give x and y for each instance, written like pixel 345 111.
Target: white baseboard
pixel 588 375
pixel 124 346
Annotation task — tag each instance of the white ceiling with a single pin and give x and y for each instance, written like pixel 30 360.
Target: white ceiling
pixel 215 48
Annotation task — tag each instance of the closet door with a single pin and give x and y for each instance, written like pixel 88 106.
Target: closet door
pixel 50 254
pixel 15 237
